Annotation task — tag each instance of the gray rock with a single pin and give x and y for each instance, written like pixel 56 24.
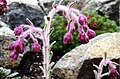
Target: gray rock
pixel 18 12
pixel 104 7
pixel 113 12
pixel 77 64
pixel 6 36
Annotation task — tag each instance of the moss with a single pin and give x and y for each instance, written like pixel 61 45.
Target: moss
pixel 101 24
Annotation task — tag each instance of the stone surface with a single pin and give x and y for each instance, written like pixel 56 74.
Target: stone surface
pixel 77 64
pixel 6 36
pixel 113 12
pixel 104 7
pixel 18 12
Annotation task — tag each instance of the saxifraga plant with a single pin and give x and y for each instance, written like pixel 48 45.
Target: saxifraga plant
pixel 112 71
pixel 100 24
pixel 71 14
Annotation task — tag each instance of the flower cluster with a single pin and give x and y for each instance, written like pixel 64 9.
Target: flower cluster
pixel 75 16
pixel 113 74
pixel 3 7
pixel 17 47
pixel 112 71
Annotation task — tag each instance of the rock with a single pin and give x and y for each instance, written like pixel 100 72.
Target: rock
pixel 113 12
pixel 6 36
pixel 18 12
pixel 77 64
pixel 104 7
pixel 31 2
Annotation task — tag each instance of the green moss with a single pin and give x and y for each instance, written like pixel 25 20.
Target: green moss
pixel 59 24
pixel 101 24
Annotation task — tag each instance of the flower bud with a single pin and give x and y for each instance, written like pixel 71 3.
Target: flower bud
pixel 67 38
pixel 82 19
pixel 36 47
pixel 3 5
pixel 18 31
pixel 13 55
pixel 19 46
pixel 3 1
pixel 113 73
pixel 91 34
pixel 83 38
pixel 11 46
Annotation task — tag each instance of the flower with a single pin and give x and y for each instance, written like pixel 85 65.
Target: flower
pixel 13 55
pixel 18 31
pixel 83 38
pixel 113 73
pixel 91 34
pixel 15 48
pixel 3 8
pixel 17 45
pixel 82 19
pixel 36 47
pixel 67 38
pixel 3 1
pixel 11 46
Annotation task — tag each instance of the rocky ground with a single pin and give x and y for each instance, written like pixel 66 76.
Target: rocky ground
pixel 74 64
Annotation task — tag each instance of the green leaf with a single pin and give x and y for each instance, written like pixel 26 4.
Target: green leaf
pixel 12 75
pixel 7 71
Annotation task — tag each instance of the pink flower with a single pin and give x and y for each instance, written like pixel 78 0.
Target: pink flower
pixel 11 46
pixel 3 7
pixel 18 31
pixel 13 55
pixel 3 1
pixel 113 73
pixel 82 19
pixel 36 47
pixel 83 38
pixel 19 46
pixel 67 38
pixel 15 48
pixel 91 34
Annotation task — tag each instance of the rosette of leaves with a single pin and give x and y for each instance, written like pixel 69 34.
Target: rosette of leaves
pixel 7 74
pixel 59 24
pixel 101 24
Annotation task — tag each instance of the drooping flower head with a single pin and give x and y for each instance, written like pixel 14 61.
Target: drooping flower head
pixel 3 7
pixel 113 73
pixel 3 1
pixel 83 38
pixel 82 19
pixel 18 31
pixel 67 38
pixel 91 34
pixel 15 48
pixel 13 55
pixel 36 47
